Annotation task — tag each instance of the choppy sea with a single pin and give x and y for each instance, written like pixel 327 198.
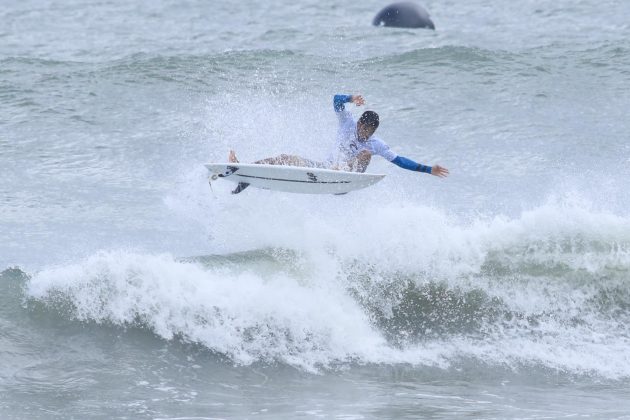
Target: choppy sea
pixel 131 289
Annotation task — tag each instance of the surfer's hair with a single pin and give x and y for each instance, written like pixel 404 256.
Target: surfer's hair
pixel 369 118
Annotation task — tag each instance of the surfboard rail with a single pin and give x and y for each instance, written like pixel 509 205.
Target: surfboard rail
pixel 293 179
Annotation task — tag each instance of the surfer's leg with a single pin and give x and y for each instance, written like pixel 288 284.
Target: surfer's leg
pixel 269 161
pixel 232 157
pixel 363 160
pixel 287 160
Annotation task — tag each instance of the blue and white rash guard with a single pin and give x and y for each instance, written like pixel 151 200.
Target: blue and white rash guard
pixel 347 145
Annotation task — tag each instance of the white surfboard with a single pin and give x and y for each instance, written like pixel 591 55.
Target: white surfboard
pixel 293 179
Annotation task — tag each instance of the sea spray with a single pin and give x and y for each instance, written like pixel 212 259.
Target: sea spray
pixel 551 281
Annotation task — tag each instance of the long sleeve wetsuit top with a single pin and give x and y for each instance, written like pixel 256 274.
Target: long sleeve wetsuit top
pixel 348 146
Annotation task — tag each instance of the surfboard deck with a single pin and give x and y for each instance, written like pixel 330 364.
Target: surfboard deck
pixel 293 179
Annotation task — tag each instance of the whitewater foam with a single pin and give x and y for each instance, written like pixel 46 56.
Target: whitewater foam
pixel 540 289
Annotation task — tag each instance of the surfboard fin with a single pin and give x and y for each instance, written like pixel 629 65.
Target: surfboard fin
pixel 240 187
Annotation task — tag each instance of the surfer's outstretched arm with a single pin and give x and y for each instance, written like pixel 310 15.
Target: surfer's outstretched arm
pixel 382 149
pixel 409 164
pixel 339 101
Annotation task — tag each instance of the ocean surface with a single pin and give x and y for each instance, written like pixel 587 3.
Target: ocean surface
pixel 130 289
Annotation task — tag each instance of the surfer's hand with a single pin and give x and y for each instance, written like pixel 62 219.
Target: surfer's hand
pixel 439 171
pixel 358 100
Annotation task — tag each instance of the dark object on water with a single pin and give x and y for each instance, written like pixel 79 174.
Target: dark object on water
pixel 404 14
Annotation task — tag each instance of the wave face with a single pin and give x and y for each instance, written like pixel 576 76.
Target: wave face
pixel 547 289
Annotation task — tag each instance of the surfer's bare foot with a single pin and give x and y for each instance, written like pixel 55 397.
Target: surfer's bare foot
pixel 232 157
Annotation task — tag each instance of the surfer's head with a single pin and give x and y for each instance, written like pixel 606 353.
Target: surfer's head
pixel 367 125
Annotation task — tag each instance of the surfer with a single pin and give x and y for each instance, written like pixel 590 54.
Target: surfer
pixel 356 142
pixel 354 146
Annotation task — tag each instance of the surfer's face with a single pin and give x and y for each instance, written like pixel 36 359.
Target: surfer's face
pixel 365 131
